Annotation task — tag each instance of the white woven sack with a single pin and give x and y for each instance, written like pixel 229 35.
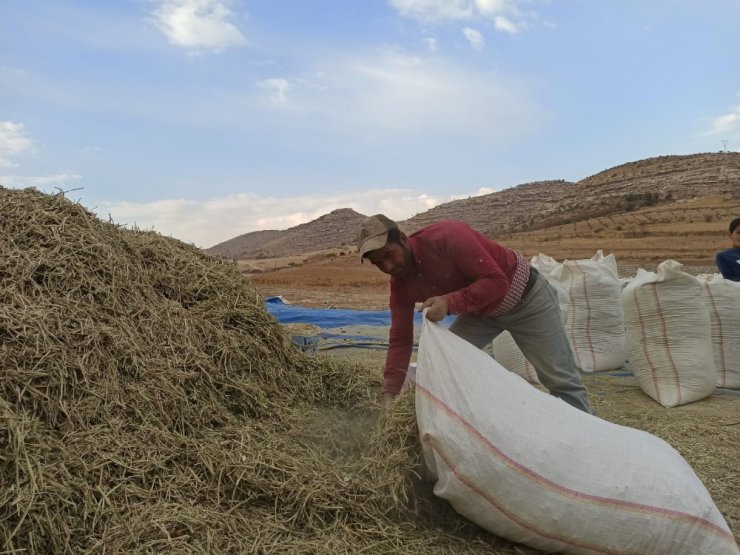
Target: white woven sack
pixel 723 301
pixel 508 355
pixel 531 468
pixel 595 324
pixel 544 263
pixel 669 340
pixel 548 266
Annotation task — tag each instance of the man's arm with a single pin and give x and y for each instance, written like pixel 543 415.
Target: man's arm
pixel 400 343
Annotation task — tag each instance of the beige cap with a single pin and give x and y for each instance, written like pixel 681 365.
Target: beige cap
pixel 374 233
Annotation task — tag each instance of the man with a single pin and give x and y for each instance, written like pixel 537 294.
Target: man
pixel 453 269
pixel 728 261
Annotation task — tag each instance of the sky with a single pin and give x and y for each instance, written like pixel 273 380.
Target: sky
pixel 207 119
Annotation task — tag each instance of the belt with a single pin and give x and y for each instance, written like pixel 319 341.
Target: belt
pixel 533 273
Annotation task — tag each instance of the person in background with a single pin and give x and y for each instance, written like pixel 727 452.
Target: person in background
pixel 728 261
pixel 454 269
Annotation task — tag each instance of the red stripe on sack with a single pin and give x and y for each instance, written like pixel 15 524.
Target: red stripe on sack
pixel 576 350
pixel 717 319
pixel 652 368
pixel 510 515
pixel 664 328
pixel 588 318
pixel 536 477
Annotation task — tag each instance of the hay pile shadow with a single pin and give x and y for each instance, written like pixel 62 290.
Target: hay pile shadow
pixel 149 403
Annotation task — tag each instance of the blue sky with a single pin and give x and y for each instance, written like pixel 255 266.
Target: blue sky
pixel 206 119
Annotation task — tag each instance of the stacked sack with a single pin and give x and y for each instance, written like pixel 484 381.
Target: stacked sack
pixel 669 335
pixel 722 297
pixel 508 354
pixel 589 292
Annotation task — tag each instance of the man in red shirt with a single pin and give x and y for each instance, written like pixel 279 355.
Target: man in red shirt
pixel 453 269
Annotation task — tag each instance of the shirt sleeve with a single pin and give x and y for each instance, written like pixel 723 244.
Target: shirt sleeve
pixel 489 282
pixel 400 341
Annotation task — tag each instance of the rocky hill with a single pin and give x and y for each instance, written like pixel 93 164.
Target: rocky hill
pixel 335 229
pixel 618 190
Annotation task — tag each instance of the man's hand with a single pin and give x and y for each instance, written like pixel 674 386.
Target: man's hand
pixel 437 308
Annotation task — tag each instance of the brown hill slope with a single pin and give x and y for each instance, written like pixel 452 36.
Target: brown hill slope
pixel 661 181
pixel 690 231
pixel 335 229
pixel 621 189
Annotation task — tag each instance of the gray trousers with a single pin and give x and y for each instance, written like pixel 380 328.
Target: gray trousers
pixel 537 328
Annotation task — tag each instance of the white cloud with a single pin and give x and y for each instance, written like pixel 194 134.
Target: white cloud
pixel 504 14
pixel 216 220
pixel 411 94
pixel 475 38
pixel 435 10
pixel 505 24
pixel 13 142
pixel 278 87
pixel 198 24
pixel 430 43
pixel 491 7
pixel 726 123
pixel 41 181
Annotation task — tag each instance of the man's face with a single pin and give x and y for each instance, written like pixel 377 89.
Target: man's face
pixel 735 237
pixel 393 259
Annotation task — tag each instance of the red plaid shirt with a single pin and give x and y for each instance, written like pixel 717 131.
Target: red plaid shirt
pixel 475 274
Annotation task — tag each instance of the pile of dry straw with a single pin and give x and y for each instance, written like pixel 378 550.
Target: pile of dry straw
pixel 149 403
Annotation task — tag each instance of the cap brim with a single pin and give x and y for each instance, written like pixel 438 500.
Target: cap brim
pixel 372 243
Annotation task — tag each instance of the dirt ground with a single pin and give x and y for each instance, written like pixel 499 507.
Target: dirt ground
pixel 336 297
pixel 343 282
pixel 327 280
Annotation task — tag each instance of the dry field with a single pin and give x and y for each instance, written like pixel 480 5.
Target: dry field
pixel 690 232
pixel 329 280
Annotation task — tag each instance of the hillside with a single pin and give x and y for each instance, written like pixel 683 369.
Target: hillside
pixel 622 189
pixel 690 231
pixel 655 182
pixel 335 229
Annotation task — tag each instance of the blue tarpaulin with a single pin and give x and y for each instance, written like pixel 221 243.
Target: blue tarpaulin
pixel 325 317
pixel 332 317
